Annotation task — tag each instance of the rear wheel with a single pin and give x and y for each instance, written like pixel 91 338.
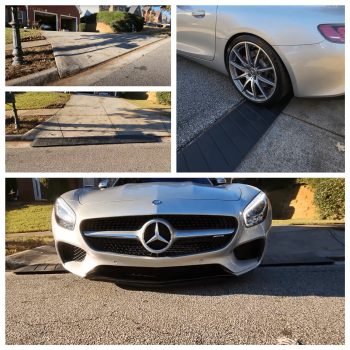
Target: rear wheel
pixel 256 70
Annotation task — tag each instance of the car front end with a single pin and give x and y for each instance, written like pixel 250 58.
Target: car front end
pixel 142 232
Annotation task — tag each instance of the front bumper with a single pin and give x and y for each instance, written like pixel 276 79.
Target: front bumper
pixel 94 261
pixel 316 70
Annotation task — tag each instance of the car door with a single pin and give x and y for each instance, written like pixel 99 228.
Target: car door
pixel 196 31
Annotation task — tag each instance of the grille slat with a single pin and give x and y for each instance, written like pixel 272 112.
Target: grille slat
pixel 178 222
pixel 181 247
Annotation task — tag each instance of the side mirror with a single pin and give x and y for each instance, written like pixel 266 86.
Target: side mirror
pixel 103 184
pixel 220 181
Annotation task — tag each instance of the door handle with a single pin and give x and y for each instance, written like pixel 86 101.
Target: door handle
pixel 198 14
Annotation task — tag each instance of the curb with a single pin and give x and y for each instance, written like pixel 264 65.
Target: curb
pixel 37 255
pixel 40 78
pixel 29 135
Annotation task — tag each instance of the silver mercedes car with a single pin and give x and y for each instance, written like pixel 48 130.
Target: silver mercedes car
pixel 160 230
pixel 268 51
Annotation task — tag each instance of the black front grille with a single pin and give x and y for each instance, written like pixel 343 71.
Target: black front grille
pixel 181 247
pixel 178 222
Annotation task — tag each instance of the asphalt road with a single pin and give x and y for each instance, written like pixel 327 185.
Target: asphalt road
pixel 147 66
pixel 138 157
pixel 271 305
pixel 292 143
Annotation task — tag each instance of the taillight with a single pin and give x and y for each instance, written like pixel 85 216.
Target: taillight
pixel 333 32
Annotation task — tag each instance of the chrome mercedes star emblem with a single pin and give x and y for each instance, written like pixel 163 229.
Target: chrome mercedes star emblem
pixel 157 202
pixel 157 236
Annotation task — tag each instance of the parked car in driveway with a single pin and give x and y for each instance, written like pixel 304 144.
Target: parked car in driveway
pixel 156 230
pixel 268 51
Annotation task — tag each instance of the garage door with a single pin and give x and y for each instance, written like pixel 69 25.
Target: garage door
pixel 68 23
pixel 47 21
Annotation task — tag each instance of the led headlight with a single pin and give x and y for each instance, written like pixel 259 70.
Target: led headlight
pixel 256 210
pixel 65 215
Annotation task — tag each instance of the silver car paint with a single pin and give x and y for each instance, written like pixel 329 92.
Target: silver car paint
pixel 177 198
pixel 316 66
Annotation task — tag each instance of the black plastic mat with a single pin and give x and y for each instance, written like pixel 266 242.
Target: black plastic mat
pixel 222 147
pixel 97 140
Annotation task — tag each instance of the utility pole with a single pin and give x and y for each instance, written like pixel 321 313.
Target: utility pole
pixel 17 52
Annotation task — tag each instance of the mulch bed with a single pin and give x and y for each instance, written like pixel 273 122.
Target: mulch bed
pixel 33 38
pixel 35 59
pixel 26 124
pixel 18 245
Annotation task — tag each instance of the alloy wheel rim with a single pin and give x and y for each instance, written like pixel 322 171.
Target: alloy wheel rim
pixel 252 71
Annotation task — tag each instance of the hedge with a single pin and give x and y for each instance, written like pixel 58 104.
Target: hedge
pixel 121 21
pixel 82 27
pixel 329 197
pixel 164 98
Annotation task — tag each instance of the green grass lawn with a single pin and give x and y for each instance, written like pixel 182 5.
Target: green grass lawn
pixel 26 35
pixel 28 217
pixel 37 100
pixel 146 104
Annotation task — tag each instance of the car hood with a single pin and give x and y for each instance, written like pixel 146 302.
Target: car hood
pixel 159 191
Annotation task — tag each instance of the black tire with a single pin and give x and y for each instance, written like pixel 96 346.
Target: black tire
pixel 283 85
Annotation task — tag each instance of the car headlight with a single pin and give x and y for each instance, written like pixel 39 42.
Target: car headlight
pixel 256 210
pixel 64 214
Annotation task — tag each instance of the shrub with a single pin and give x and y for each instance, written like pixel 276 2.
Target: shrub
pixel 121 21
pixel 53 188
pixel 329 197
pixel 82 27
pixel 164 98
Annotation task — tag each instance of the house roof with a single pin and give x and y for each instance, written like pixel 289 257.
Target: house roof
pixel 133 9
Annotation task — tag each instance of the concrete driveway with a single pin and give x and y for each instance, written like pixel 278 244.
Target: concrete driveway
pixel 77 51
pixel 308 136
pixel 87 115
pixel 272 305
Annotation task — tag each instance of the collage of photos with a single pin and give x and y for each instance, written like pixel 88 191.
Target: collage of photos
pixel 174 174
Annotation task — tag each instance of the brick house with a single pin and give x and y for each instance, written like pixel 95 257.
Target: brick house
pixel 55 17
pixel 30 189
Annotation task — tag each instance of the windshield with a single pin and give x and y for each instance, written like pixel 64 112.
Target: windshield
pixel 123 181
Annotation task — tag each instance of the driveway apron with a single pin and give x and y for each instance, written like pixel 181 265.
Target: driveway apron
pixel 95 116
pixel 76 51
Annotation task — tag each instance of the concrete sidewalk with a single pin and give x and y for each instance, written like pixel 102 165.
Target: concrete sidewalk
pixel 315 241
pixel 95 116
pixel 77 51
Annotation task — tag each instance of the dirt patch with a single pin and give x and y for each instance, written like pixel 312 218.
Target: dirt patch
pixel 35 59
pixel 303 204
pixel 293 202
pixel 26 124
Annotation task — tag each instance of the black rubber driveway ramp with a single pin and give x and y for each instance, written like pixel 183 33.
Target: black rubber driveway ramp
pixel 95 140
pixel 222 147
pixel 40 269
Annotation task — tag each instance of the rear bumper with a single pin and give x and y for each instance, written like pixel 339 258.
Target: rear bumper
pixel 316 70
